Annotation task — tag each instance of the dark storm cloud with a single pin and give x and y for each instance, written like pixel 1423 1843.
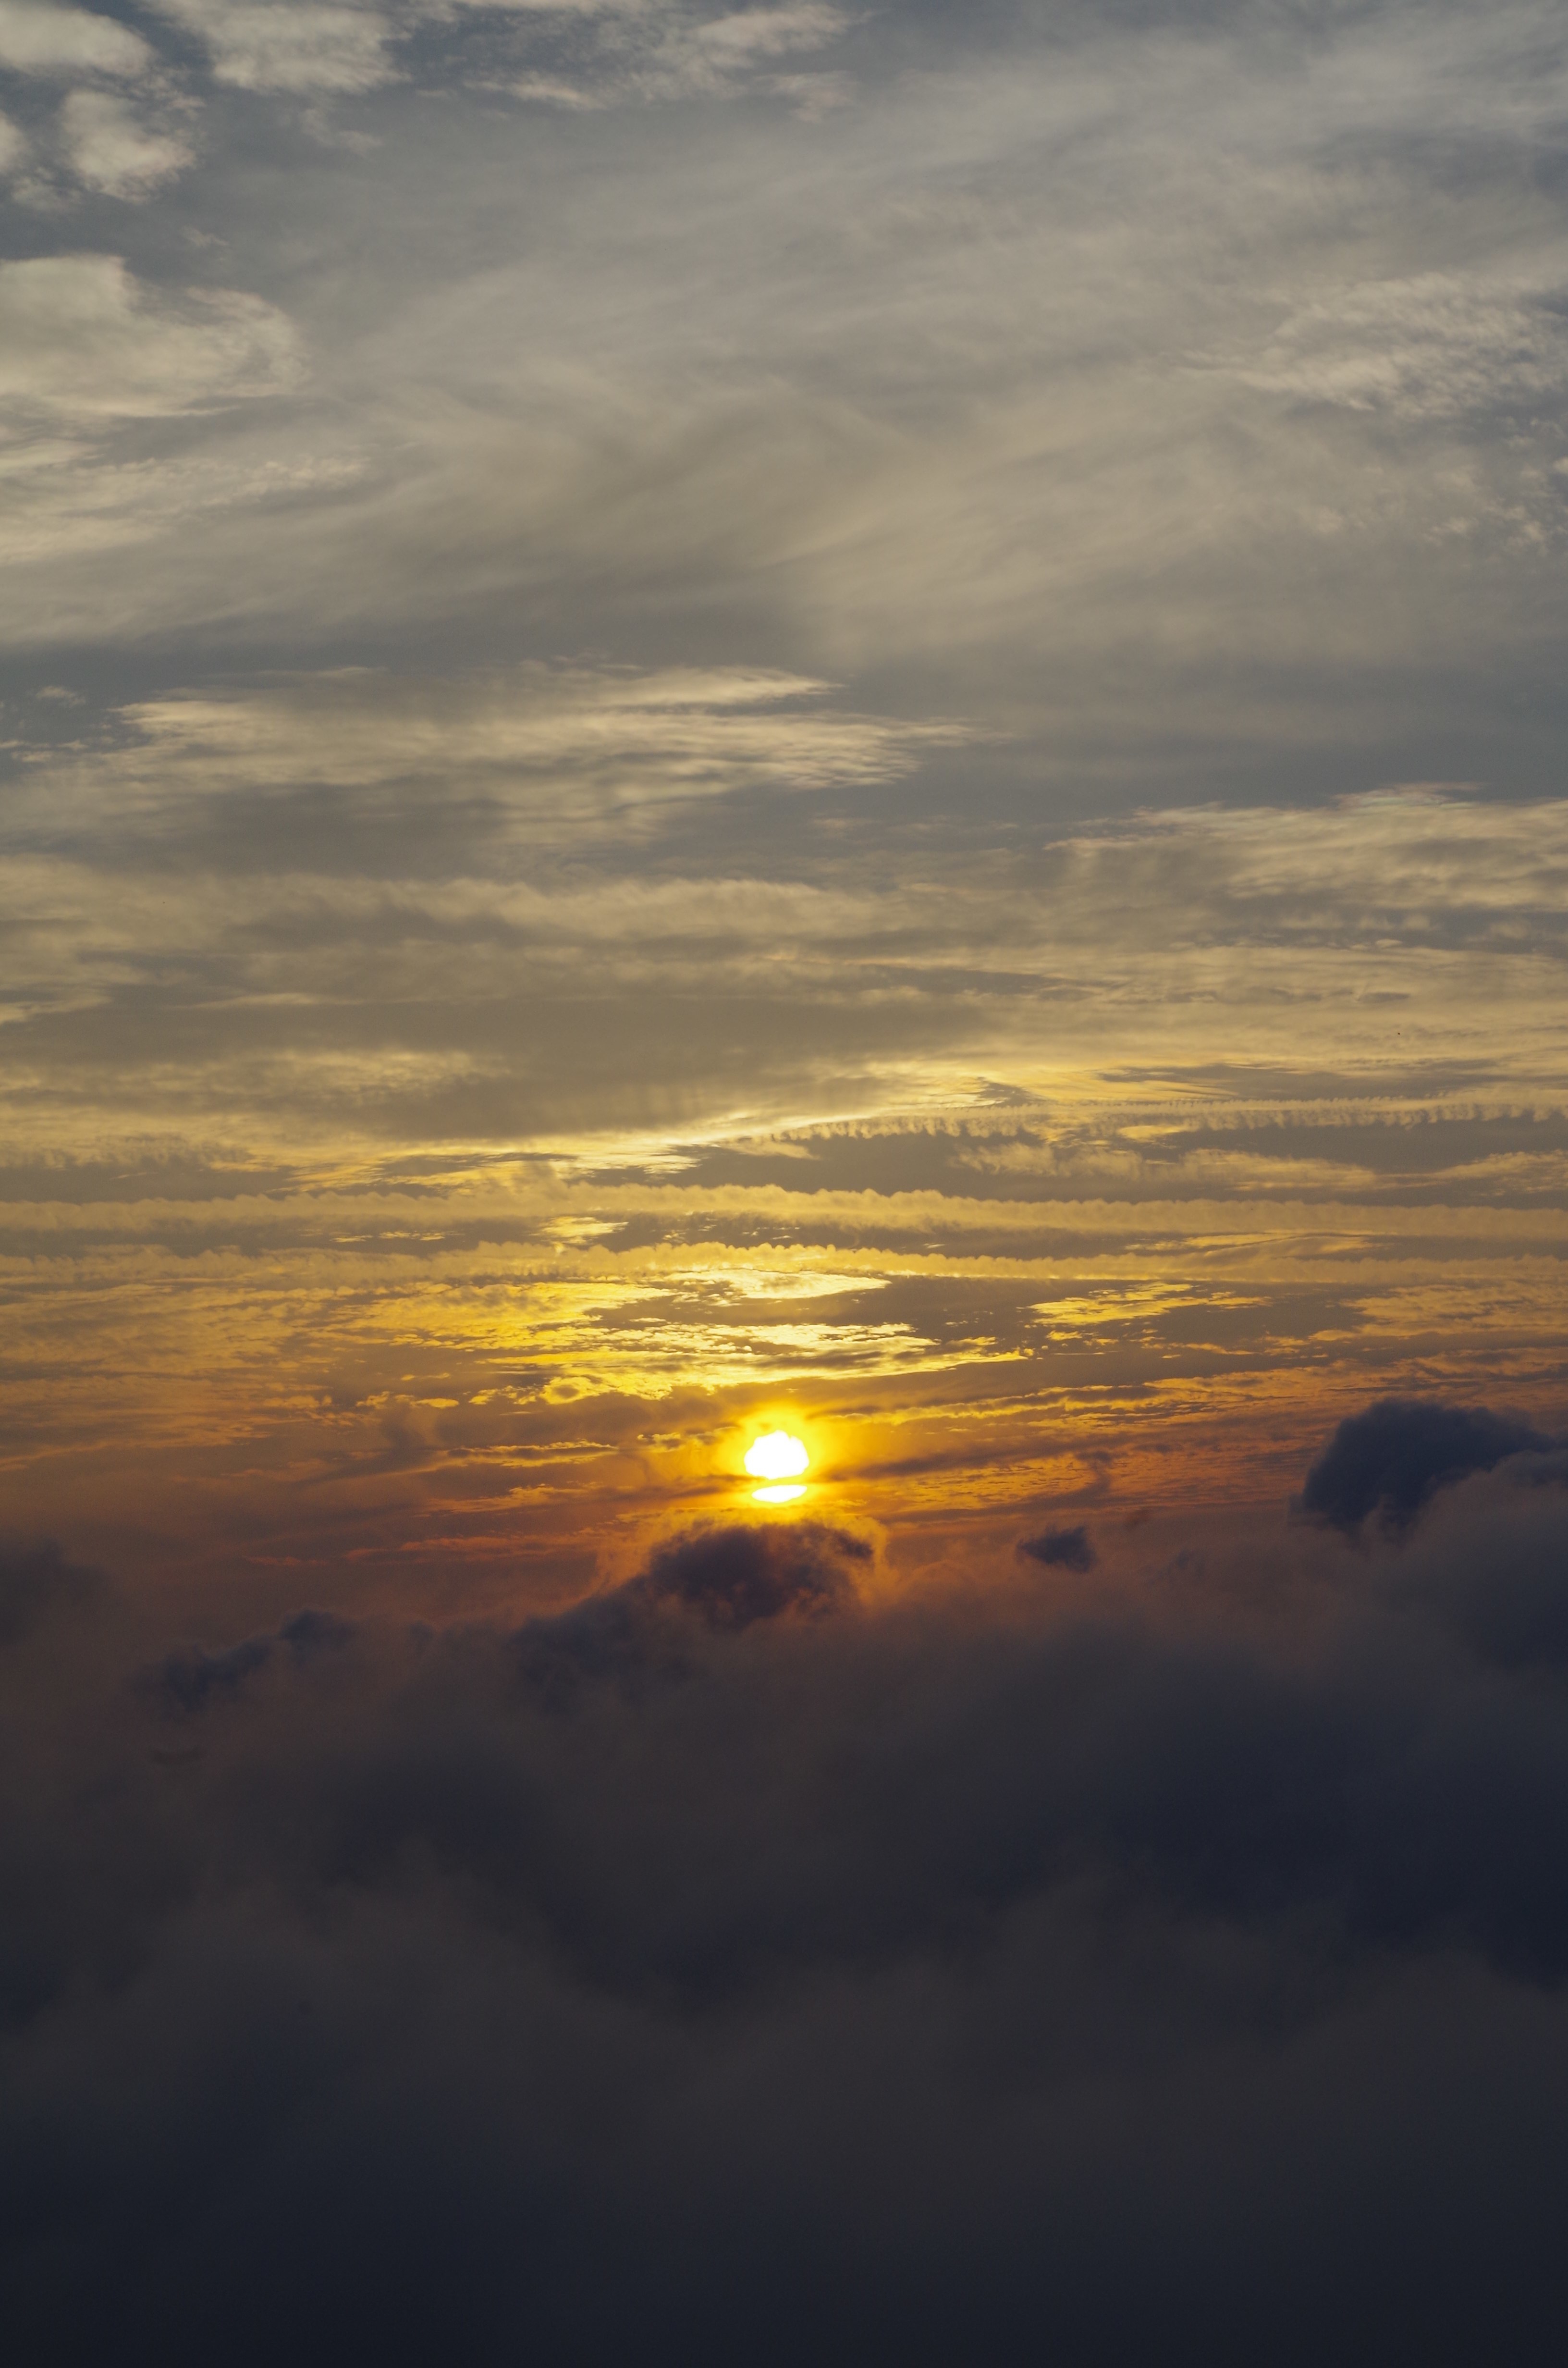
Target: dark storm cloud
pixel 739 1966
pixel 1393 1457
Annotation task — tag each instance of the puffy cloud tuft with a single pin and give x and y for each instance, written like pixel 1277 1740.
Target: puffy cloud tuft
pixel 1391 1459
pixel 731 1576
pixel 1062 1549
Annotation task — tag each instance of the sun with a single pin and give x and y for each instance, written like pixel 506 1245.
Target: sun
pixel 778 1458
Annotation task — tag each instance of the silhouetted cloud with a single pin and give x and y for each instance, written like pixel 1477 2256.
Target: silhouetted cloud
pixel 725 1578
pixel 1392 1458
pixel 1062 1549
pixel 734 1575
pixel 187 1678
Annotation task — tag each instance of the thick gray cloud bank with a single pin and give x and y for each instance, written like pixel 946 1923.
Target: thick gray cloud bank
pixel 1165 1965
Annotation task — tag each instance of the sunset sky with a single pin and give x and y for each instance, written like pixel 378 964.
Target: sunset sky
pixel 724 718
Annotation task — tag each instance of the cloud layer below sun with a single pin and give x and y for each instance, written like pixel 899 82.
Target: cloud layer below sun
pixel 1074 1966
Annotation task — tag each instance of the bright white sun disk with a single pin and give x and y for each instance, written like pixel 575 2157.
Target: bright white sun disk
pixel 776 1457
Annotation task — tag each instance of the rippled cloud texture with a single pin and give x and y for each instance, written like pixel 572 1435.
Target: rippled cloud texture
pixel 718 719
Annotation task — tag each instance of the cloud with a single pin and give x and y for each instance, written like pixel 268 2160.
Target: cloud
pixel 734 1577
pixel 189 1678
pixel 910 392
pixel 713 54
pixel 53 41
pixel 531 425
pixel 277 47
pixel 38 1585
pixel 81 337
pixel 449 1000
pixel 568 743
pixel 723 1579
pixel 1430 347
pixel 110 149
pixel 963 1971
pixel 598 56
pixel 1071 1549
pixel 1391 1460
pixel 1269 956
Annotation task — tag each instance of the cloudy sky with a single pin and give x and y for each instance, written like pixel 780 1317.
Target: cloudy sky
pixel 708 713
pixel 843 718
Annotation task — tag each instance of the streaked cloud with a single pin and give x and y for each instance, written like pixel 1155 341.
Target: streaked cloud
pixel 568 742
pixel 1208 1119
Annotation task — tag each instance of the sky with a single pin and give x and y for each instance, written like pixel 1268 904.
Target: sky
pixel 843 719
